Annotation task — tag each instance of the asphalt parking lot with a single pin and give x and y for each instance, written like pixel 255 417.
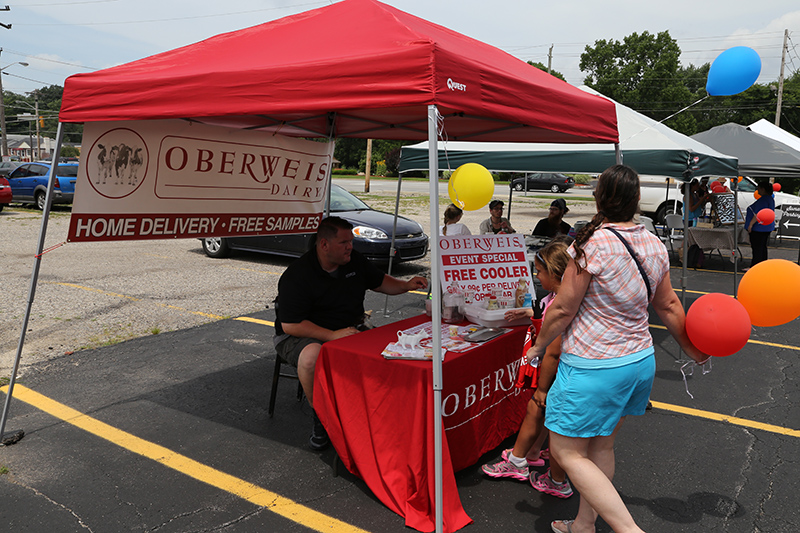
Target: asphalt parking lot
pixel 169 431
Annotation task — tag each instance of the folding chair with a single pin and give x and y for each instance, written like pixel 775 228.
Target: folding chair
pixel 277 374
pixel 674 225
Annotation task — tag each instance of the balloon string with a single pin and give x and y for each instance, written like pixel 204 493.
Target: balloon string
pixel 687 369
pixel 442 134
pixel 664 120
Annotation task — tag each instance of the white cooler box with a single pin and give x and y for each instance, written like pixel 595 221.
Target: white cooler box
pixel 492 319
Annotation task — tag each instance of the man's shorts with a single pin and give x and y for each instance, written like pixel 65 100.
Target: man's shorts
pixel 289 348
pixel 590 402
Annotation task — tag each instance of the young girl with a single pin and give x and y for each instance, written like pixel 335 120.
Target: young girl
pixel 452 226
pixel 550 262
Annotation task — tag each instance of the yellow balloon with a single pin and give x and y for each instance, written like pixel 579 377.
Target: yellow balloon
pixel 471 186
pixel 769 292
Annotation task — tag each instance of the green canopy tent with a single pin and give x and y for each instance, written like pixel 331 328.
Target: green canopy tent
pixel 646 145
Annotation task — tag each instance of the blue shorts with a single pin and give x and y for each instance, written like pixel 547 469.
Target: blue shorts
pixel 590 402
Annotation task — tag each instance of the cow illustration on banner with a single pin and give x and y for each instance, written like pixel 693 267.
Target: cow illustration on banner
pixel 176 179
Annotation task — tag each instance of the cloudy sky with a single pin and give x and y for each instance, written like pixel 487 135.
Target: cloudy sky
pixel 59 38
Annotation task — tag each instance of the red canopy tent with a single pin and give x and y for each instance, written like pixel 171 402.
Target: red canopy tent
pixel 376 67
pixel 357 68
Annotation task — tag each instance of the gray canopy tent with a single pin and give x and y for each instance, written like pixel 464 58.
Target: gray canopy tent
pixel 759 156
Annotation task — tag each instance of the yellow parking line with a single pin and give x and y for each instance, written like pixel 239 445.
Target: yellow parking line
pixel 73 285
pixel 207 315
pixel 252 493
pixel 724 418
pixel 255 320
pixel 749 341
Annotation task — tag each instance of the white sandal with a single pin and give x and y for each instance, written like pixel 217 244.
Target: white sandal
pixel 567 523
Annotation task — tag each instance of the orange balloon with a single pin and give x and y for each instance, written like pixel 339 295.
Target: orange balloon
pixel 756 195
pixel 769 291
pixel 740 179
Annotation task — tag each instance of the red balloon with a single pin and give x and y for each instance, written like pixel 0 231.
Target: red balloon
pixel 717 187
pixel 776 187
pixel 718 324
pixel 765 217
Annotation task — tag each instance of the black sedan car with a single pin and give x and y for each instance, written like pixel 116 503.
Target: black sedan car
pixel 372 232
pixel 543 181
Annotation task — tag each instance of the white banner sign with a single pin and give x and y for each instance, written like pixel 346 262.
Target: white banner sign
pixel 481 263
pixel 160 179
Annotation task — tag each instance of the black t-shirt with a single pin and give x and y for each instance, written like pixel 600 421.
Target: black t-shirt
pixel 332 301
pixel 545 229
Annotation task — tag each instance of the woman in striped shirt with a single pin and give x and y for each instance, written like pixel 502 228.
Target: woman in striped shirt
pixel 607 361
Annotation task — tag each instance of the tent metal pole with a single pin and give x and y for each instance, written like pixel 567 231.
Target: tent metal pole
pixel 436 312
pixel 736 252
pixel 685 252
pixel 394 235
pixel 510 192
pixel 37 261
pixel 329 181
pixel 617 154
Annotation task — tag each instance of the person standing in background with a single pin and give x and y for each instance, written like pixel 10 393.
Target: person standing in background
pixel 759 233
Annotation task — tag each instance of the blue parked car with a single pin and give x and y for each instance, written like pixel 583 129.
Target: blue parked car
pixel 29 183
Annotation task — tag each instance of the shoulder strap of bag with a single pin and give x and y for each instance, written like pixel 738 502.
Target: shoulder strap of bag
pixel 635 260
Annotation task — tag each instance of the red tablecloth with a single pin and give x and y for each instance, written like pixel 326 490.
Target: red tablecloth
pixel 379 416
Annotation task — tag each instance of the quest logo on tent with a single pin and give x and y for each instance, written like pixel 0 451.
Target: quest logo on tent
pixel 117 163
pixel 455 86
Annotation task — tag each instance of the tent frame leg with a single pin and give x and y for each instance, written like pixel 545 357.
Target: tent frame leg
pixel 436 312
pixel 15 436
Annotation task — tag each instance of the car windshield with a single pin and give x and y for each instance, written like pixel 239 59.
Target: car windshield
pixel 341 200
pixel 746 186
pixel 68 171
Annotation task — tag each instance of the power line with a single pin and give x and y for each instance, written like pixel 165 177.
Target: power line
pixel 151 21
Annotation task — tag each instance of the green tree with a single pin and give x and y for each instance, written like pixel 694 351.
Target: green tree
pixel 69 151
pixel 18 105
pixel 352 153
pixel 641 71
pixel 543 67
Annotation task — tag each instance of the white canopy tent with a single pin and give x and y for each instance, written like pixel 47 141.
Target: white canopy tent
pixel 776 133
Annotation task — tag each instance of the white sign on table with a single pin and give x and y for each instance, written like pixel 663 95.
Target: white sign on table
pixel 790 221
pixel 482 263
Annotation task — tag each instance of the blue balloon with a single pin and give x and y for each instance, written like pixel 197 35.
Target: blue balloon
pixel 733 71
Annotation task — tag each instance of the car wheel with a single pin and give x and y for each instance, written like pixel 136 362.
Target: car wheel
pixel 40 200
pixel 667 209
pixel 2 206
pixel 216 247
pixel 517 186
pixel 555 188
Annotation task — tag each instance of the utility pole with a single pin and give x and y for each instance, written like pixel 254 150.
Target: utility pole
pixel 368 168
pixel 780 79
pixel 36 115
pixel 549 65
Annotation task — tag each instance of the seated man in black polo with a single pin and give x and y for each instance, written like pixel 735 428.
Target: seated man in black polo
pixel 321 298
pixel 554 223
